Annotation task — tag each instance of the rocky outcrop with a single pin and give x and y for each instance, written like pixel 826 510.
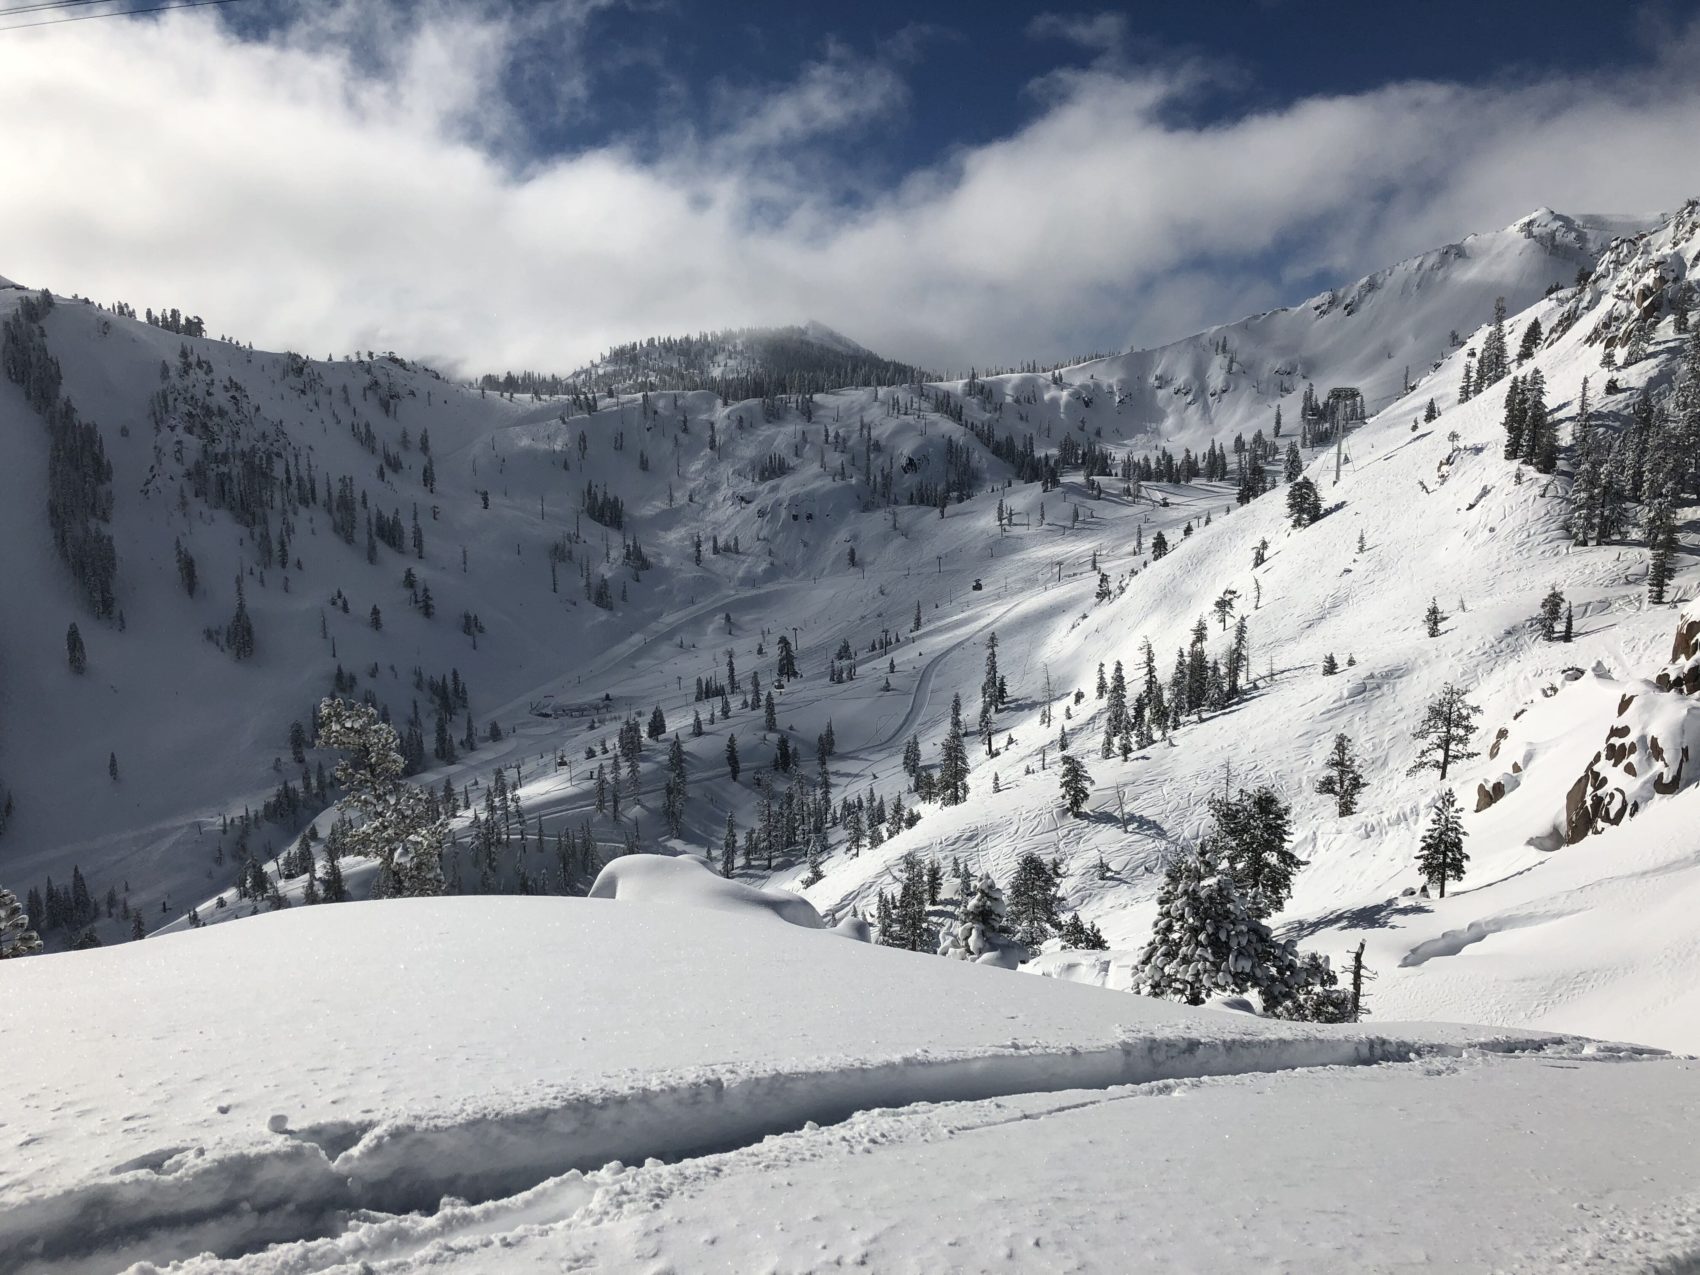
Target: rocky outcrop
pixel 1651 747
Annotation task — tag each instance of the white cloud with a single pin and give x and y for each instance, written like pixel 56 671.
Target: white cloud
pixel 352 184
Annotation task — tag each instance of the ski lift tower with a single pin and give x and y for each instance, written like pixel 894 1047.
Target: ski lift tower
pixel 1345 404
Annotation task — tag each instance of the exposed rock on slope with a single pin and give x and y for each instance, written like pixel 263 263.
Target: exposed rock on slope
pixel 1647 749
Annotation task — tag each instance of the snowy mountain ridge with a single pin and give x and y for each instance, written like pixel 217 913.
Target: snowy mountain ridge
pixel 620 548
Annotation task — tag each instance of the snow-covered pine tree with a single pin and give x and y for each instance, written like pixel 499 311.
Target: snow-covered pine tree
pixel 1317 995
pixel 1440 855
pixel 1082 936
pixel 1206 942
pixel 397 827
pixel 982 931
pixel 1552 611
pixel 16 936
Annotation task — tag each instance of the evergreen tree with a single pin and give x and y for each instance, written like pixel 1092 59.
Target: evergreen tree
pixel 1433 618
pixel 732 756
pixel 1531 342
pixel 1304 505
pixel 1540 438
pixel 16 936
pixel 1075 784
pixel 1342 779
pixel 953 760
pixel 1033 902
pixel 239 633
pixel 1516 419
pixel 982 929
pixel 673 799
pixel 1082 936
pixel 729 847
pixel 1552 608
pixel 1445 732
pixel 1495 361
pixel 1251 835
pixel 991 686
pixel 398 826
pixel 74 652
pixel 1661 551
pixel 1207 942
pixel 1440 856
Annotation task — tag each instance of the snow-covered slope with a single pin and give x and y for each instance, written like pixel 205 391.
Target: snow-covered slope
pixel 1384 332
pixel 180 1097
pixel 1586 938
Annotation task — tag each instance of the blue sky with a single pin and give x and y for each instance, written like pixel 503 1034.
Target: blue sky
pixel 966 67
pixel 491 184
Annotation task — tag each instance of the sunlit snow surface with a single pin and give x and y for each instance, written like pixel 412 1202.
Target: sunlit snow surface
pixel 287 1081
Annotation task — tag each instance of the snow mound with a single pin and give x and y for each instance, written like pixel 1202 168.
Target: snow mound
pixel 649 878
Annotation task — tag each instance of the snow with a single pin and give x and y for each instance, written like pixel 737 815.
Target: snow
pixel 692 883
pixel 1327 1170
pixel 170 1081
pixel 321 1078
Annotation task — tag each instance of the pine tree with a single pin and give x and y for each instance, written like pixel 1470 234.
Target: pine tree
pixel 1304 505
pixel 1207 942
pixel 1075 784
pixel 1516 419
pixel 674 798
pixel 1033 902
pixel 1540 439
pixel 74 652
pixel 1531 342
pixel 953 760
pixel 1433 618
pixel 1552 607
pixel 1661 550
pixel 729 847
pixel 982 929
pixel 239 633
pixel 1082 936
pixel 16 936
pixel 1251 835
pixel 1342 780
pixel 1495 361
pixel 732 756
pixel 991 686
pixel 398 827
pixel 1445 732
pixel 1440 856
